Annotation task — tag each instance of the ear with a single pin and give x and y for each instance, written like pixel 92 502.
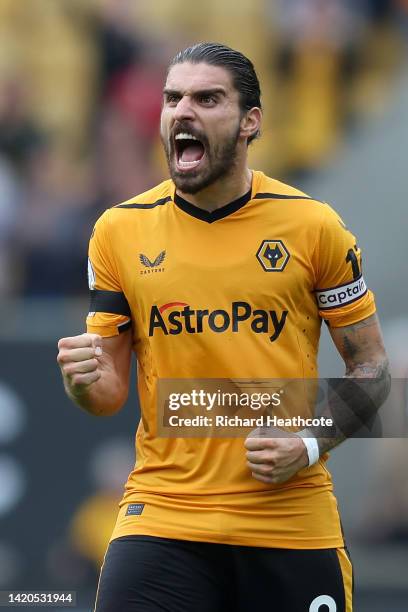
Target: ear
pixel 251 122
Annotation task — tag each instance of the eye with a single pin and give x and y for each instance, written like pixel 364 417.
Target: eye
pixel 207 99
pixel 172 99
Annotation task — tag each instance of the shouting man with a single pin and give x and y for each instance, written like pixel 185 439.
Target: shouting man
pixel 221 272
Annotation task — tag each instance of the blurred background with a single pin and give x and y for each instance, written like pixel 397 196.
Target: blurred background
pixel 80 97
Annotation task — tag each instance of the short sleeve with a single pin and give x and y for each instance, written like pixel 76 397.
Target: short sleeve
pixel 109 312
pixel 341 292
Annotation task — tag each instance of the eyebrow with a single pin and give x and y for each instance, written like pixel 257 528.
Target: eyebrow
pixel 199 92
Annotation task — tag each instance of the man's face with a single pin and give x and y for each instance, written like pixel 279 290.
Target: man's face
pixel 200 125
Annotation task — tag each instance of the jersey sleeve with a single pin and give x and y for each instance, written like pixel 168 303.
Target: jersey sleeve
pixel 109 312
pixel 341 293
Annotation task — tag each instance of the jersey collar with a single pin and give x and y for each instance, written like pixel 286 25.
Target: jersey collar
pixel 215 215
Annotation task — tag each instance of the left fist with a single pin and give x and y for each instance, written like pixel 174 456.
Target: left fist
pixel 274 459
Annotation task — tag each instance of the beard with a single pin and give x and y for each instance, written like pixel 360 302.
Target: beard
pixel 219 162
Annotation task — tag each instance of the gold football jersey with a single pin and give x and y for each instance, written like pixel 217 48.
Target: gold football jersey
pixel 237 293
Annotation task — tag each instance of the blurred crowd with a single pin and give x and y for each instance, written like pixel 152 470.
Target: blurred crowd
pixel 80 98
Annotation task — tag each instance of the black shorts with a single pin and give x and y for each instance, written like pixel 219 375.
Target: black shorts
pixel 150 574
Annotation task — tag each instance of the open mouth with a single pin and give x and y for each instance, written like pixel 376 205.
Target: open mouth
pixel 189 151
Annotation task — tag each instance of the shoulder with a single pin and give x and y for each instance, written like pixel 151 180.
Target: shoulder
pixel 153 198
pixel 157 196
pixel 269 188
pixel 274 191
pixel 115 220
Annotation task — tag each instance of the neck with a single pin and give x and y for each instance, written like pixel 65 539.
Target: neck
pixel 222 192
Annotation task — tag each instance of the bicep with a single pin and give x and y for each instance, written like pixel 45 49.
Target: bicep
pixel 360 345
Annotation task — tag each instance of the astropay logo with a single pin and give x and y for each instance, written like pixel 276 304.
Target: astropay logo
pixel 175 318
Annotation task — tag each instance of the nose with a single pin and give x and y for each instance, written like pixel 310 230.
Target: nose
pixel 184 109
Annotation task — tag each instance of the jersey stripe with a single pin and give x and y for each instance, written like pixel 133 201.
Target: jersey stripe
pixel 153 205
pixel 279 196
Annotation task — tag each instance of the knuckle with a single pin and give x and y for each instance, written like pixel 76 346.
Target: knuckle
pixel 69 370
pixel 64 367
pixel 62 356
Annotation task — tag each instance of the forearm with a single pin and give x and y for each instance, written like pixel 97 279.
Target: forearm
pixel 353 402
pixel 103 397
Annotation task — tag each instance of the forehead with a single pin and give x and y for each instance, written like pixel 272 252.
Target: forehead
pixel 194 77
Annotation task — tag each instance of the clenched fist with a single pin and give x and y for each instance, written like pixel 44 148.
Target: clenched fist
pixel 273 456
pixel 79 358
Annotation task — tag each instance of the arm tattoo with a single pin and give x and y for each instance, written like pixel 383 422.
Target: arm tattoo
pixel 353 401
pixel 350 350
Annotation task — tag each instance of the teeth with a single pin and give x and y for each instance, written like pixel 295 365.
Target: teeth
pixel 185 136
pixel 186 164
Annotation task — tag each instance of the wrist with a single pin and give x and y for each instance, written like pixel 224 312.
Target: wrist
pixel 312 446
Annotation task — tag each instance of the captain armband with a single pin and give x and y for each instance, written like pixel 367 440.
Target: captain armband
pixel 341 295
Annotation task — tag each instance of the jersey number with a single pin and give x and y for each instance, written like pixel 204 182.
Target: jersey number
pixel 323 600
pixel 351 257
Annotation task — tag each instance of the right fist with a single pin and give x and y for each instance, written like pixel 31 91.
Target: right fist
pixel 79 358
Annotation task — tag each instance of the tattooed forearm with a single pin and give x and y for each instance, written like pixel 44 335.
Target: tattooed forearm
pixel 366 370
pixel 354 400
pixel 356 342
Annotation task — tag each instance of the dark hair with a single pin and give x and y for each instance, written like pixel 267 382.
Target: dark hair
pixel 243 73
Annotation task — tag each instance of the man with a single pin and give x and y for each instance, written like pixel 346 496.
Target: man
pixel 221 272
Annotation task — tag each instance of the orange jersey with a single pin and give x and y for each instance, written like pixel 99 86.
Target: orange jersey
pixel 239 292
